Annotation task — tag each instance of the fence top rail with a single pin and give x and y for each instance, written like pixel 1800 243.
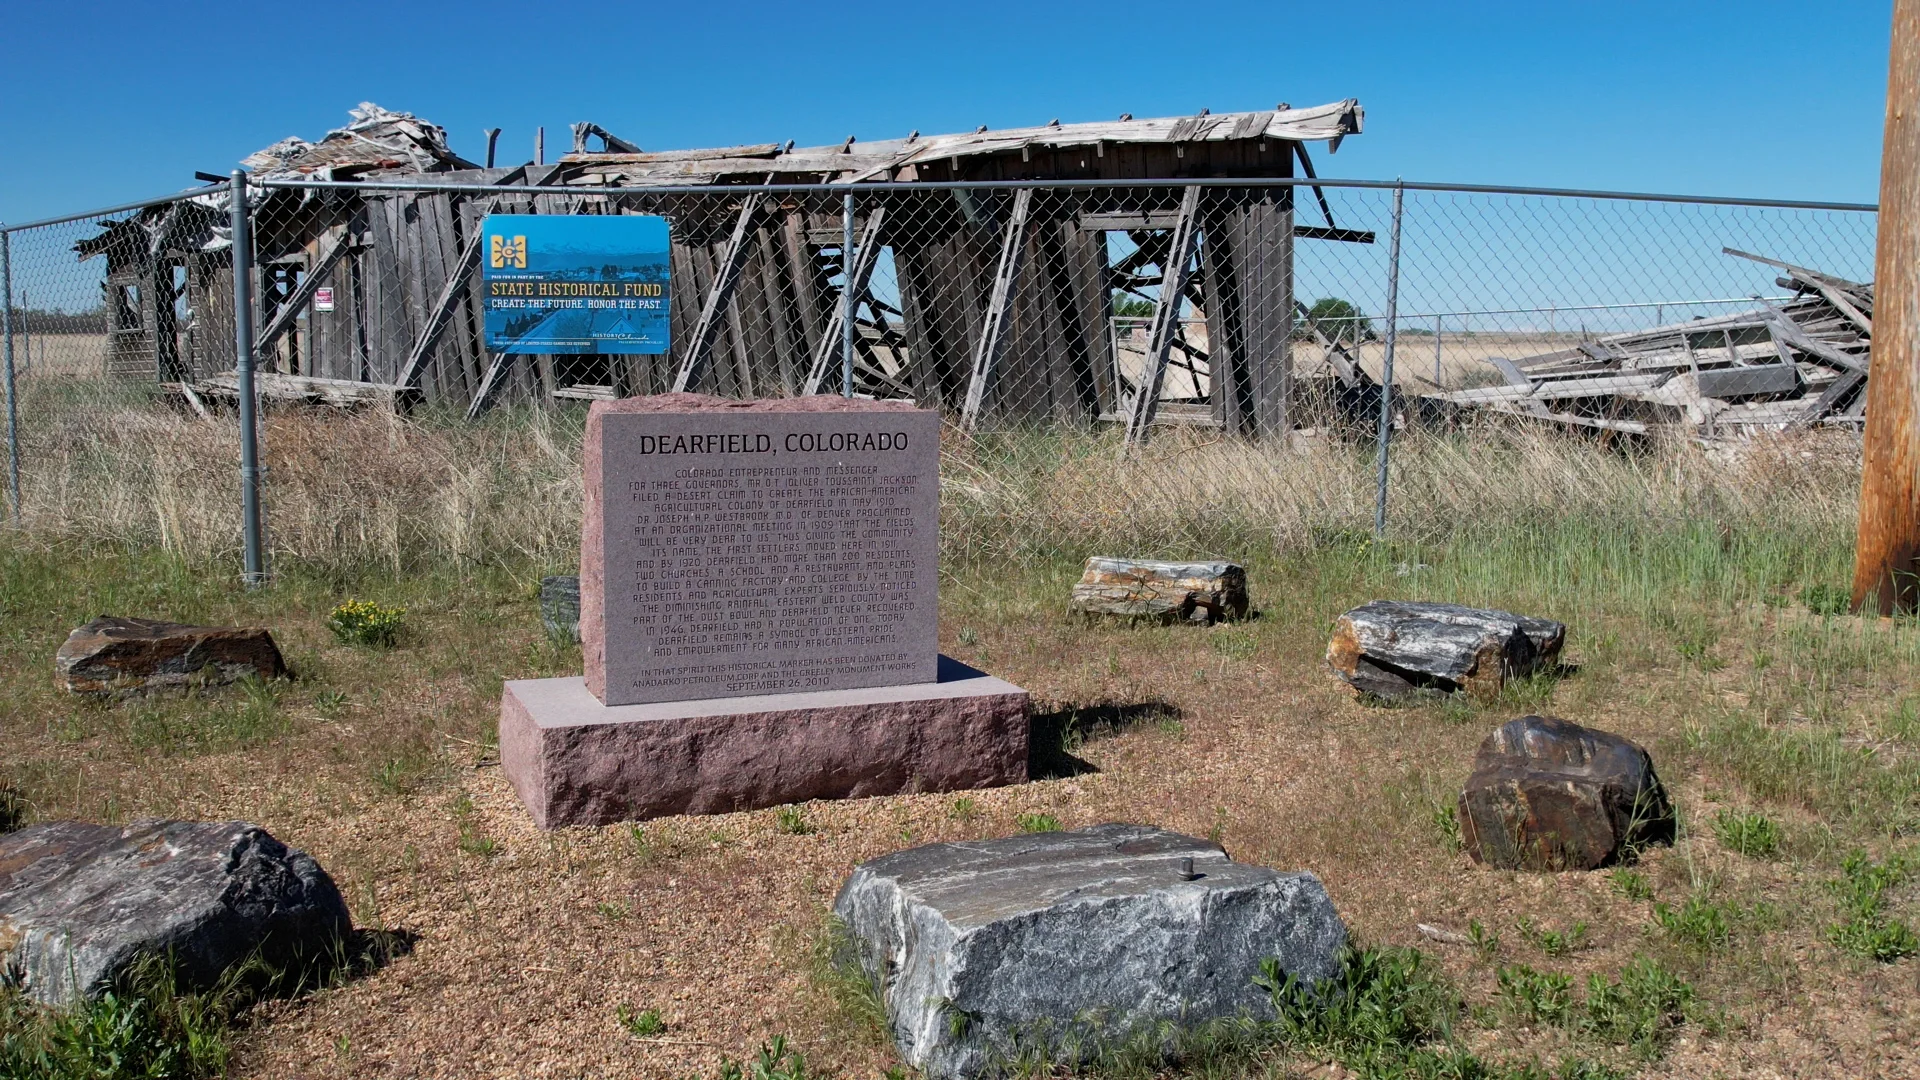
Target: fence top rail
pixel 955 185
pixel 1005 185
pixel 178 196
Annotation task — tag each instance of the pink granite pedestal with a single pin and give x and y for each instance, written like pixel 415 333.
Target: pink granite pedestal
pixel 575 761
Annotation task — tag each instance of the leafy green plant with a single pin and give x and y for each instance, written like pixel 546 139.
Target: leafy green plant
pixel 775 1062
pixel 1867 929
pixel 1446 821
pixel 1631 884
pixel 1484 941
pixel 363 622
pixel 643 845
pixel 965 808
pixel 1544 997
pixel 613 910
pixel 1822 598
pixel 643 1023
pixel 792 821
pixel 1376 1011
pixel 1751 833
pixel 1553 942
pixel 144 1027
pixel 1700 922
pixel 1037 823
pixel 473 841
pixel 1641 1008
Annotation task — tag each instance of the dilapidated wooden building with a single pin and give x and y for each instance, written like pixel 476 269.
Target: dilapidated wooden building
pixel 992 302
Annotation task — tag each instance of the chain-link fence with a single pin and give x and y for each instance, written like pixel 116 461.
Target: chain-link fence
pixel 1052 321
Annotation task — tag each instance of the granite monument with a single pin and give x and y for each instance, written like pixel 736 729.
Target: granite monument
pixel 758 617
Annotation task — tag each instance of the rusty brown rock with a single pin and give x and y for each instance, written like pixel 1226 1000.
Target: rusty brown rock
pixel 1202 592
pixel 113 653
pixel 1549 794
pixel 1388 648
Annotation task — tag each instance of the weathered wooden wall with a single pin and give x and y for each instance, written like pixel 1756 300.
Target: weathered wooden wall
pixel 924 313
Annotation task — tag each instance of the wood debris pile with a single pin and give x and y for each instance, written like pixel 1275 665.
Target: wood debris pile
pixel 1786 364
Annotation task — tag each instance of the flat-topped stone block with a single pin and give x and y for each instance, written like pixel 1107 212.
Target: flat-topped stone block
pixel 775 546
pixel 1202 592
pixel 575 761
pixel 115 653
pixel 1391 647
pixel 1072 941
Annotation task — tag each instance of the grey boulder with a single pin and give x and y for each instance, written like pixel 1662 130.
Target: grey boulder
pixel 1062 945
pixel 1198 592
pixel 1391 647
pixel 80 904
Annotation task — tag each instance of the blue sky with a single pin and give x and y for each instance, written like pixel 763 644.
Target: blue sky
pixel 110 101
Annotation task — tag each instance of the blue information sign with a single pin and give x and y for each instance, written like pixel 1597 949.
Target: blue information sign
pixel 586 283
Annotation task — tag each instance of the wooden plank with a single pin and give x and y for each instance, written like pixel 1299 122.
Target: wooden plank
pixel 1166 319
pixel 443 306
pixel 780 314
pixel 1006 278
pixel 726 273
pixel 1829 399
pixel 1345 236
pixel 1072 282
pixel 1261 322
pixel 337 243
pixel 1785 329
pixel 489 385
pixel 866 256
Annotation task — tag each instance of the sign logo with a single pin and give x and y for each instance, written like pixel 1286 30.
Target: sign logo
pixel 508 252
pixel 577 283
pixel 323 299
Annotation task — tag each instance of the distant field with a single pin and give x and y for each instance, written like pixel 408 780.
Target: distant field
pixel 59 354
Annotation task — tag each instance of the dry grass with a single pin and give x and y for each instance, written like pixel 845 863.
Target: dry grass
pixel 350 490
pixel 1678 569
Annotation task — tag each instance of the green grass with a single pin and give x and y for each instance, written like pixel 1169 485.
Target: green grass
pixel 1752 833
pixel 1631 884
pixel 1699 923
pixel 641 1023
pixel 1867 928
pixel 1037 823
pixel 1553 942
pixel 792 821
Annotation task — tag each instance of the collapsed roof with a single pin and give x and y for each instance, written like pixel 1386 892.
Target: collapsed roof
pixel 907 159
pixel 377 141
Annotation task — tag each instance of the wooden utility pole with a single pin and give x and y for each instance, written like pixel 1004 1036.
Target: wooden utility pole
pixel 1886 567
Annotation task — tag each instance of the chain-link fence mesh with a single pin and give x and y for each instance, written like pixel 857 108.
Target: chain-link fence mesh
pixel 1243 325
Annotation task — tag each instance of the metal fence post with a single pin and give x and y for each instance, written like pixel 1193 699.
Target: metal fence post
pixel 13 409
pixel 1386 370
pixel 255 569
pixel 846 296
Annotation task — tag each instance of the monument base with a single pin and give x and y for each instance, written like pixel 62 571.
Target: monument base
pixel 575 761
